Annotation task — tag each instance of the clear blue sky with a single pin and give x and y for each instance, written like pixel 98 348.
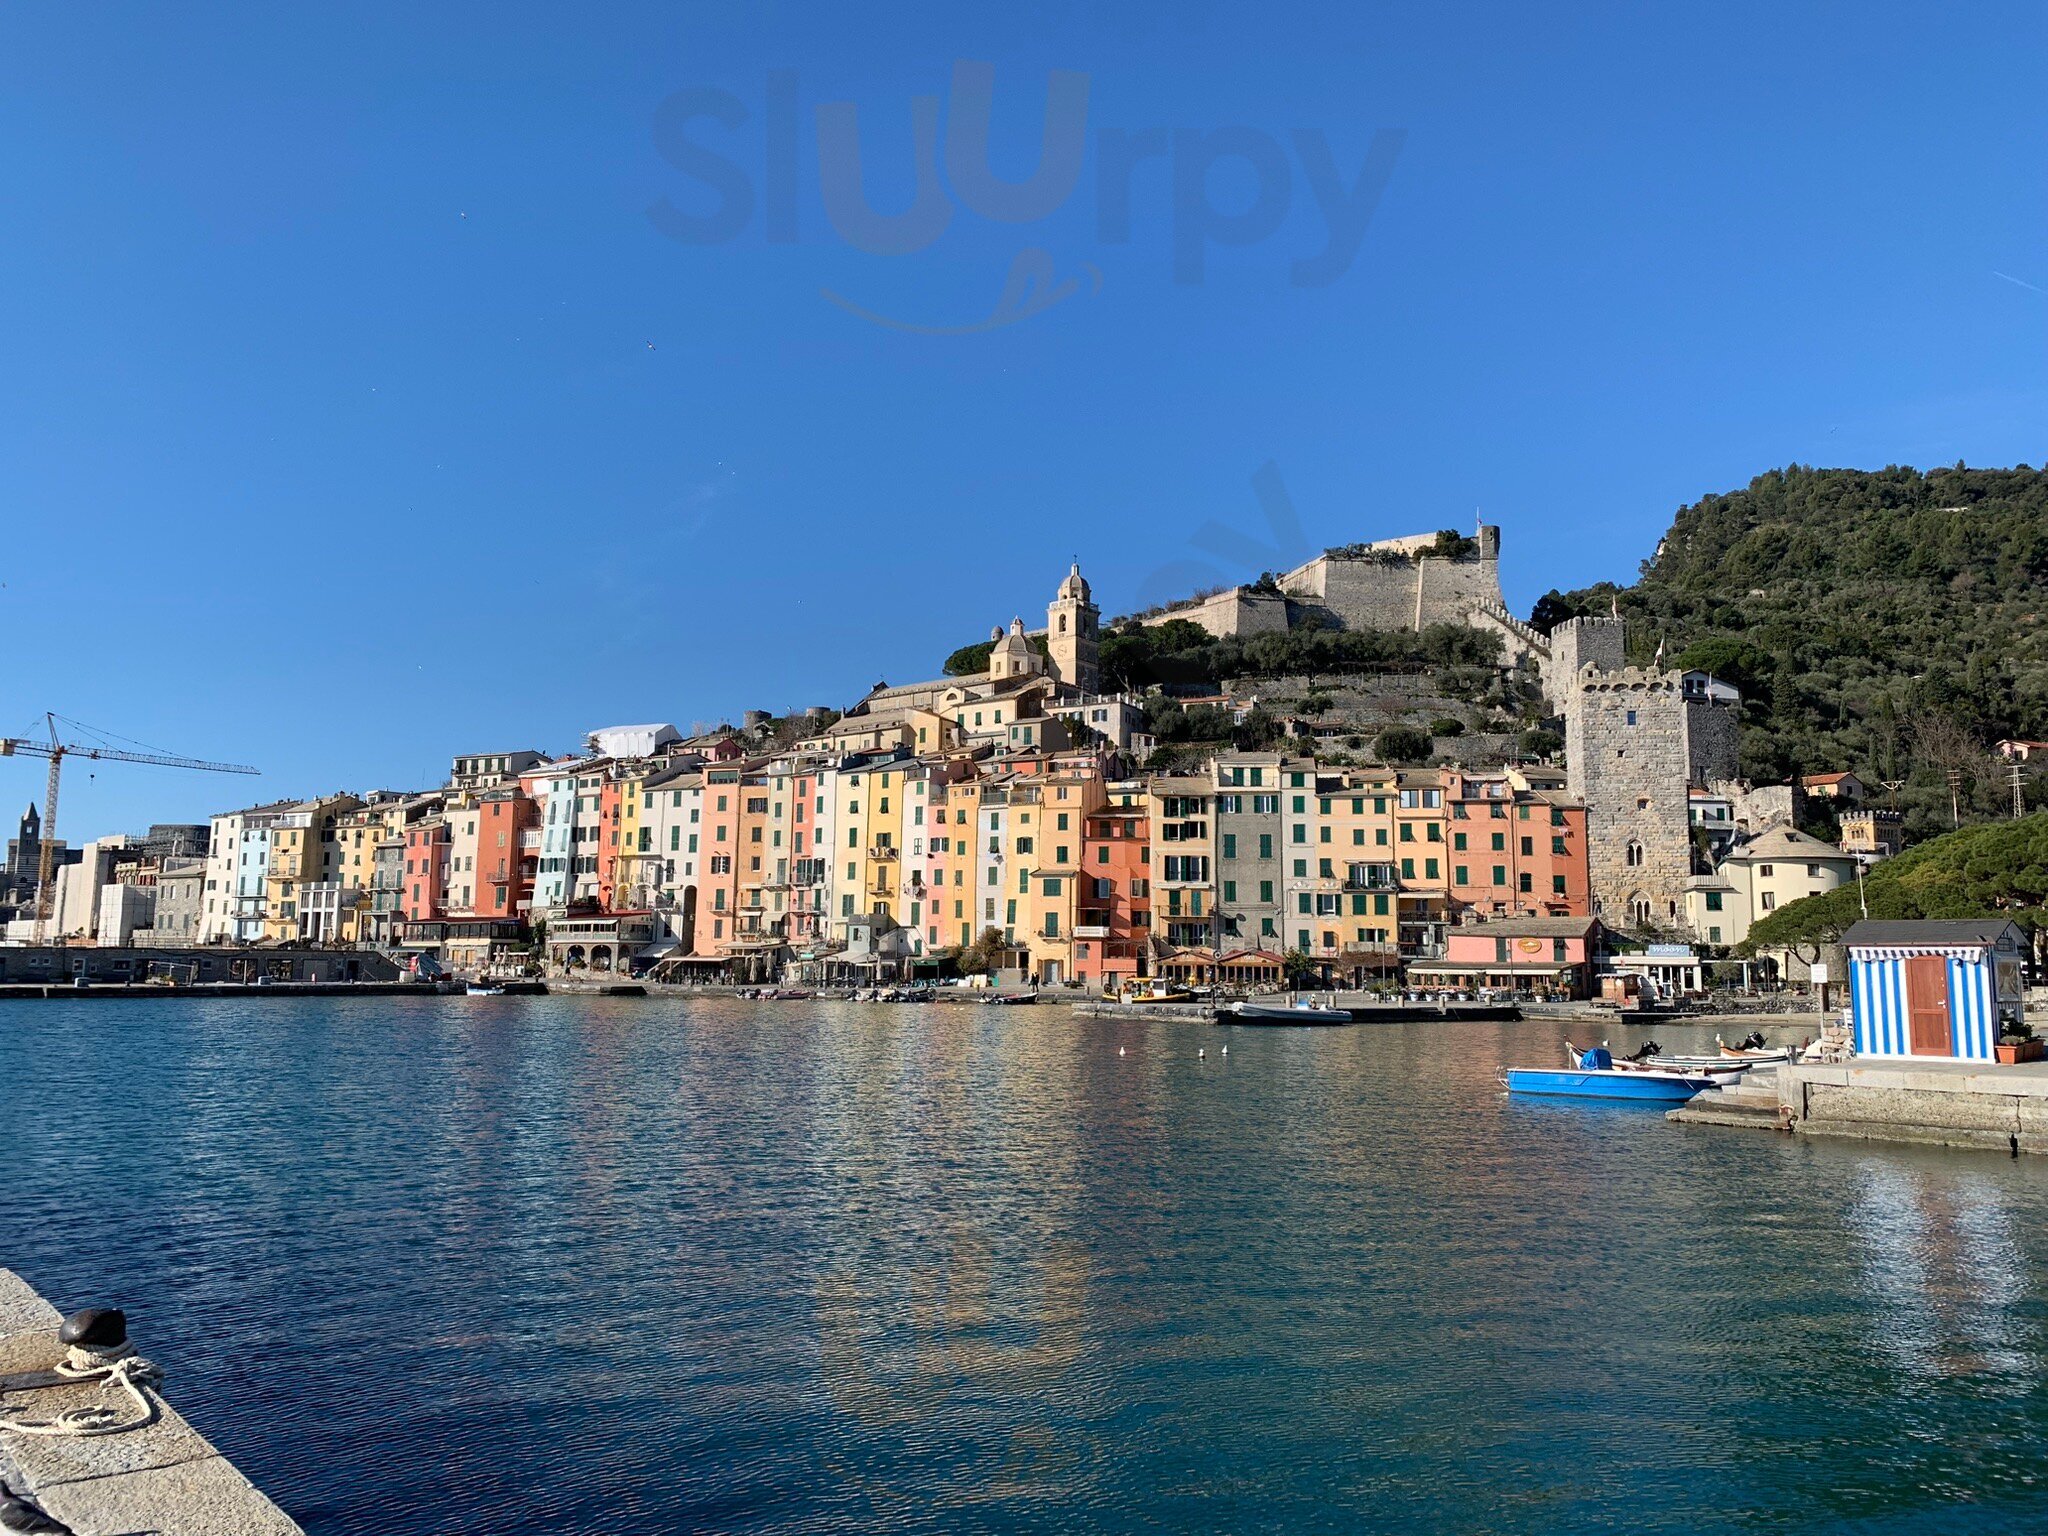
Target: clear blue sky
pixel 356 412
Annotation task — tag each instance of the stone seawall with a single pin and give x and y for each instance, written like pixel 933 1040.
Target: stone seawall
pixel 58 964
pixel 1934 1103
pixel 163 1477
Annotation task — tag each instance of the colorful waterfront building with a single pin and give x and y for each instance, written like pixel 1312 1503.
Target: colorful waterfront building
pixel 552 788
pixel 1537 957
pixel 1249 872
pixel 665 879
pixel 718 873
pixel 1113 921
pixel 303 853
pixel 812 803
pixel 1183 864
pixel 237 873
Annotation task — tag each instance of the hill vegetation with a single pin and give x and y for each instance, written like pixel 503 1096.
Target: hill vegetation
pixel 1182 653
pixel 1892 622
pixel 1999 869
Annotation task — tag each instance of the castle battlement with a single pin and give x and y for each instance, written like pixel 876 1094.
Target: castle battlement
pixel 1593 678
pixel 1387 584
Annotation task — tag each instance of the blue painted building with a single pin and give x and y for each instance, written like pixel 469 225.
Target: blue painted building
pixel 1934 989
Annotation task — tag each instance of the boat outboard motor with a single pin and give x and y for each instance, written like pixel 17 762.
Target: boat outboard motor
pixel 1754 1041
pixel 1646 1050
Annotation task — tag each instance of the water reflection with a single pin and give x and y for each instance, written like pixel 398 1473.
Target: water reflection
pixel 1943 1272
pixel 614 1267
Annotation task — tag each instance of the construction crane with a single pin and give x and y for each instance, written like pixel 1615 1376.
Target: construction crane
pixel 56 751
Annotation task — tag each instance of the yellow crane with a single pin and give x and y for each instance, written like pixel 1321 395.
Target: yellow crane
pixel 56 751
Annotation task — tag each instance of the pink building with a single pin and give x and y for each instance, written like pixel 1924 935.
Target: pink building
pixel 1530 956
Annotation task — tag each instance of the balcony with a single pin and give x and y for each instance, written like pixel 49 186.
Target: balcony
pixel 883 850
pixel 1091 930
pixel 529 841
pixel 1372 877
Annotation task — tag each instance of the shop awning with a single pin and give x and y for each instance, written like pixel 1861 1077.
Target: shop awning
pixel 1507 968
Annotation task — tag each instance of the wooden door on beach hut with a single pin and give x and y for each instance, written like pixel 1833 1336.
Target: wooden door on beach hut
pixel 1927 1014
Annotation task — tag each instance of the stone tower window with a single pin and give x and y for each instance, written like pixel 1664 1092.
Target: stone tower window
pixel 1063 623
pixel 1635 855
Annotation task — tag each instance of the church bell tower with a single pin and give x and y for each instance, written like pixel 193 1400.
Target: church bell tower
pixel 1072 622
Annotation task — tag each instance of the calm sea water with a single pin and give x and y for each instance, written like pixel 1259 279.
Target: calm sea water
pixel 483 1265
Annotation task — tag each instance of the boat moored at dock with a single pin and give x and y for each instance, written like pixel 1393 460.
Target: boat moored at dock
pixel 1299 1011
pixel 1593 1075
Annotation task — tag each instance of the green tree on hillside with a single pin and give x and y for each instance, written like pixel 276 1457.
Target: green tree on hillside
pixel 1998 869
pixel 1894 622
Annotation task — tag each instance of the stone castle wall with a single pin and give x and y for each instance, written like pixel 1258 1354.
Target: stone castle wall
pixel 1576 644
pixel 1236 611
pixel 1404 594
pixel 1356 592
pixel 1710 739
pixel 1627 756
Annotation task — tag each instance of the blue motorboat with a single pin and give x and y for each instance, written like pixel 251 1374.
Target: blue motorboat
pixel 1594 1076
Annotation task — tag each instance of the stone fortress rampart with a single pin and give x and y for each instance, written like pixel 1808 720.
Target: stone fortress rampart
pixel 1399 583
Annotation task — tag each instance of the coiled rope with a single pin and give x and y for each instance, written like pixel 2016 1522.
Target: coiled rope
pixel 121 1367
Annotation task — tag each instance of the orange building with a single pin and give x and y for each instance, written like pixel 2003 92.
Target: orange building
pixel 508 853
pixel 426 870
pixel 718 872
pixel 1113 919
pixel 1515 849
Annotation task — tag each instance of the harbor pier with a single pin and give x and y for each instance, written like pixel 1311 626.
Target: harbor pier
pixel 161 1475
pixel 1943 1103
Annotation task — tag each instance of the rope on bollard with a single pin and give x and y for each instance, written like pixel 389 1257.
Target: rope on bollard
pixel 96 1349
pixel 130 1372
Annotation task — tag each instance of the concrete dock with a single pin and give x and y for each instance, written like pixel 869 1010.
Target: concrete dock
pixel 163 1477
pixel 1928 1103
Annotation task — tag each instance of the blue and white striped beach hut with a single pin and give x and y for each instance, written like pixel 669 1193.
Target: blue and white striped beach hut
pixel 1933 989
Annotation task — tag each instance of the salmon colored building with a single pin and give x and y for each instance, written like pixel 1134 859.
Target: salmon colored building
pixel 507 856
pixel 1113 916
pixel 609 796
pixel 423 897
pixel 1515 851
pixel 718 876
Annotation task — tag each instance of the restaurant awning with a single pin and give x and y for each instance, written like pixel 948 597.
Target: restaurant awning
pixel 1503 968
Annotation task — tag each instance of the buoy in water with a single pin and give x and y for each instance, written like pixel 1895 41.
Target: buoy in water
pixel 1202 1055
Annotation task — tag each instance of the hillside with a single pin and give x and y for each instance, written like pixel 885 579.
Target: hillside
pixel 1999 869
pixel 1892 622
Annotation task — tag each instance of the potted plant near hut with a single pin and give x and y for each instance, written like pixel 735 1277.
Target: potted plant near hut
pixel 2017 1042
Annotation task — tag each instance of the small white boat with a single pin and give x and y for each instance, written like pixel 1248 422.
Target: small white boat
pixel 1717 1064
pixel 1680 1066
pixel 479 989
pixel 1300 1010
pixel 1753 1049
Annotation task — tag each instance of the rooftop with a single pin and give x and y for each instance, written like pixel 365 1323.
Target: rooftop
pixel 1785 843
pixel 1934 931
pixel 1530 927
